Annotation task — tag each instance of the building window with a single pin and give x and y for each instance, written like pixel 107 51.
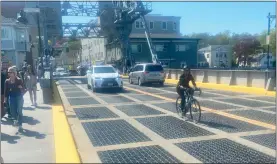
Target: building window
pixel 151 25
pixel 137 24
pixel 217 55
pixel 208 55
pixel 174 26
pixel 20 35
pixel 181 47
pixel 141 25
pixel 136 48
pixel 160 47
pixel 5 33
pixel 225 55
pixel 164 25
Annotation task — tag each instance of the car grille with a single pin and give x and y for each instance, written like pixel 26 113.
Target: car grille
pixel 106 81
pixel 109 79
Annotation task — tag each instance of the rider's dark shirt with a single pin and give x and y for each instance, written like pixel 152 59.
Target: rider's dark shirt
pixel 184 81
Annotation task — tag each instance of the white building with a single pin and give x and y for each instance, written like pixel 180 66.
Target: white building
pixel 260 60
pixel 93 51
pixel 15 42
pixel 215 56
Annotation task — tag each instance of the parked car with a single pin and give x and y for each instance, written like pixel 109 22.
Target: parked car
pixel 103 76
pixel 147 73
pixel 82 70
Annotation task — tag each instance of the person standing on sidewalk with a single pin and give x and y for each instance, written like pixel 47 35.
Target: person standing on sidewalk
pixel 22 73
pixel 14 91
pixel 30 79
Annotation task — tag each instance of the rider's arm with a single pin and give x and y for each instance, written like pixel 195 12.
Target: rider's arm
pixel 193 81
pixel 179 82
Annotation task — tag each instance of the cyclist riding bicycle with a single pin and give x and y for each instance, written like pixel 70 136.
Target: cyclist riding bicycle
pixel 183 85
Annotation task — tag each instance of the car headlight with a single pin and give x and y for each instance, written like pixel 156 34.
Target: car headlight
pixel 118 77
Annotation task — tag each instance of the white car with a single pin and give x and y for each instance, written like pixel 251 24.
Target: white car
pixel 60 72
pixel 103 76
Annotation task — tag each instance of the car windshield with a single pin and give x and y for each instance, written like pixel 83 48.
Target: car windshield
pixel 104 70
pixel 153 68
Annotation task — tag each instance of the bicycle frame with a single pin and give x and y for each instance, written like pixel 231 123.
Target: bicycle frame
pixel 189 96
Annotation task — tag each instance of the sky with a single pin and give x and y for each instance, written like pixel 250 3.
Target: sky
pixel 213 17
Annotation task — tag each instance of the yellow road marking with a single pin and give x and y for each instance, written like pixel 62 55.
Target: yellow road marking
pixel 65 148
pixel 254 122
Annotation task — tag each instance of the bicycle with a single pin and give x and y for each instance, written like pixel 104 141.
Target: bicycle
pixel 190 101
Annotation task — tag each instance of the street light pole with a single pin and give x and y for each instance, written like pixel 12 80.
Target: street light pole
pixel 39 40
pixel 268 35
pixel 269 17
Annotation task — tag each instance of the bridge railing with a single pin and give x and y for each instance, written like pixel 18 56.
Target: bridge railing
pixel 248 78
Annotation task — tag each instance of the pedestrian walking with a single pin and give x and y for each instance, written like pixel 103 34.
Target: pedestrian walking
pixel 22 73
pixel 40 71
pixel 14 91
pixel 30 79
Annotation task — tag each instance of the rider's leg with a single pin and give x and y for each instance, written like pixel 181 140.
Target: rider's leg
pixel 183 101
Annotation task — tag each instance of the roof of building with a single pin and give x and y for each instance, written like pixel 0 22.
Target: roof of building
pixel 213 47
pixel 162 36
pixel 259 57
pixel 10 21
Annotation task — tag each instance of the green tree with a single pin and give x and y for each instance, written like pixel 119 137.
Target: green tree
pixel 205 38
pixel 74 44
pixel 245 48
pixel 222 38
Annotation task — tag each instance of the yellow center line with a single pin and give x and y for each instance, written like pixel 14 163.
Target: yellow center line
pixel 244 119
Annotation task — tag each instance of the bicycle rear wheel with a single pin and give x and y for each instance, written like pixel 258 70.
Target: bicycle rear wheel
pixel 195 110
pixel 178 107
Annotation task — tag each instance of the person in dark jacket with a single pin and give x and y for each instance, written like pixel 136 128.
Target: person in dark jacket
pixel 14 91
pixel 183 85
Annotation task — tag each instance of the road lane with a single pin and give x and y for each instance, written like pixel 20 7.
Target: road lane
pixel 150 111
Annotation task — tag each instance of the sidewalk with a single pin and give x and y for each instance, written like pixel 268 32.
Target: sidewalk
pixel 36 143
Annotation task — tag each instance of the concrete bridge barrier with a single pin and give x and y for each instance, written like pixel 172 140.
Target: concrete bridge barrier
pixel 243 78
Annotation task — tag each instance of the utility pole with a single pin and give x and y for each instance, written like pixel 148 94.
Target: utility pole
pixel 269 17
pixel 39 44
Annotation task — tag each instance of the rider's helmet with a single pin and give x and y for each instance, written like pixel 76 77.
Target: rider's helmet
pixel 186 68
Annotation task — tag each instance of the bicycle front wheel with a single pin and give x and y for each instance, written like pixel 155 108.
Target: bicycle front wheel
pixel 178 106
pixel 195 110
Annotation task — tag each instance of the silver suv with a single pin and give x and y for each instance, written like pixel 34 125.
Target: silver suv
pixel 147 73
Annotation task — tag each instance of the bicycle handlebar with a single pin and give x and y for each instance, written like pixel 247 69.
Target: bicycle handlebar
pixel 199 90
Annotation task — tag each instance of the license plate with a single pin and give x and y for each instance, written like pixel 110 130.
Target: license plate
pixel 154 74
pixel 110 84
